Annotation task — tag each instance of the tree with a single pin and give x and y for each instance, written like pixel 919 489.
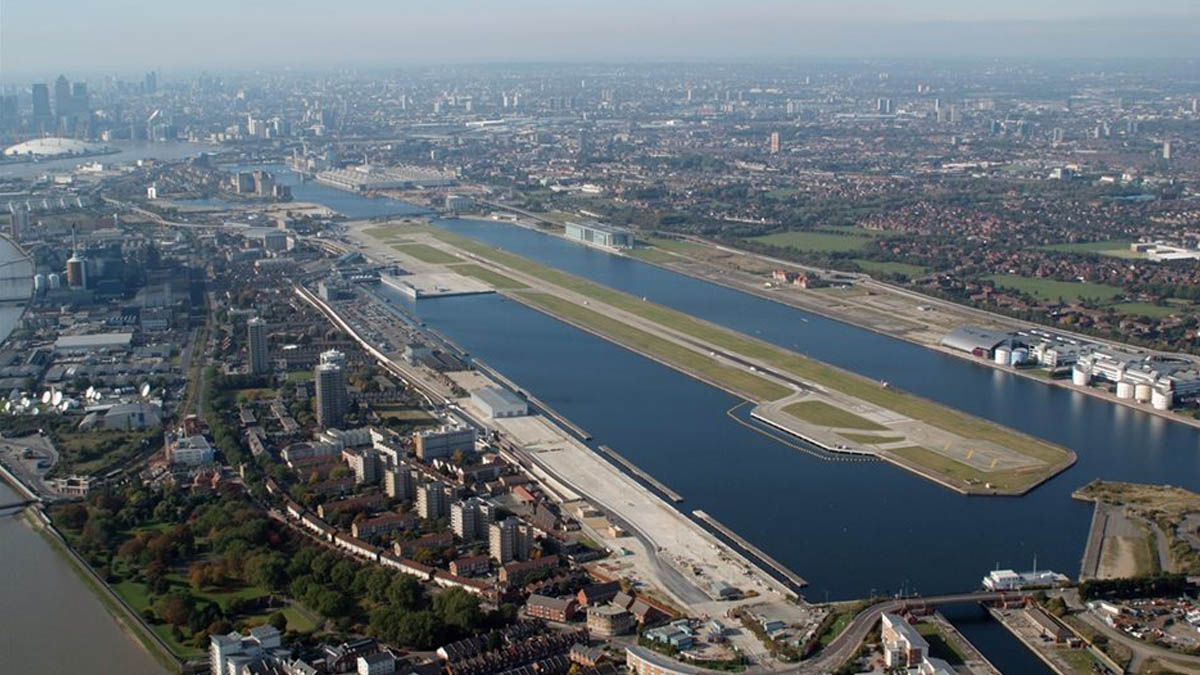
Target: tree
pixel 457 609
pixel 176 607
pixel 278 620
pixel 405 592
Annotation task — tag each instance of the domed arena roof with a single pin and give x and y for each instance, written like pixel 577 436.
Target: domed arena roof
pixel 52 147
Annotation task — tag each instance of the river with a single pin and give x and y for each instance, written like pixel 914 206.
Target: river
pixel 51 622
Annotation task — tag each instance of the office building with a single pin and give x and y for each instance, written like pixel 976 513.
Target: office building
pixel 775 143
pixel 445 441
pixel 598 234
pixel 431 500
pixel 63 104
pixel 508 540
pixel 256 341
pixel 150 84
pixel 1166 150
pixel 332 398
pixel 470 518
pixel 41 102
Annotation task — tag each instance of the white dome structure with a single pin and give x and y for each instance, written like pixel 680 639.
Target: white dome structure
pixel 53 147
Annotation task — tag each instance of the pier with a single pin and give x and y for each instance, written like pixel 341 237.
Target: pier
pixel 792 578
pixel 633 468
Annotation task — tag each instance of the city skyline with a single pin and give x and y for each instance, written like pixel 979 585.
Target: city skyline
pixel 273 34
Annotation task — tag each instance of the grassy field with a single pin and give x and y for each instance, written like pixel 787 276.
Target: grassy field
pixel 843 614
pixel 960 473
pixel 427 253
pixel 867 439
pixel 737 379
pixel 805 368
pixel 891 267
pixel 1152 311
pixel 1114 247
pixel 487 276
pixel 654 255
pixel 821 242
pixel 1049 289
pixel 826 415
pixel 299 376
pixel 1080 661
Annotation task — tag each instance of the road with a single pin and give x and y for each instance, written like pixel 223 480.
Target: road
pixel 1142 650
pixel 843 647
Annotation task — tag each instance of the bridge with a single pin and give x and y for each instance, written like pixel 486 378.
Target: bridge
pixel 19 504
pixel 843 646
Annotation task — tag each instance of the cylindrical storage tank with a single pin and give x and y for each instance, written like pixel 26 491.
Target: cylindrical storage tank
pixel 1080 377
pixel 1162 399
pixel 39 282
pixel 1141 393
pixel 1124 389
pixel 1002 355
pixel 53 281
pixel 1019 356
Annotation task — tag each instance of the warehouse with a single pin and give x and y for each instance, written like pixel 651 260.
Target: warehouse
pixel 93 342
pixel 498 403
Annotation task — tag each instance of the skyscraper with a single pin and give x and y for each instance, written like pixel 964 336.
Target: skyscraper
pixel 63 104
pixel 332 400
pixel 151 83
pixel 256 340
pixel 41 102
pixel 79 97
pixel 1166 149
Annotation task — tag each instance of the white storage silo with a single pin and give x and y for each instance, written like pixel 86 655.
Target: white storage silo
pixel 1019 356
pixel 1080 377
pixel 1002 355
pixel 1141 393
pixel 1124 389
pixel 1162 399
pixel 53 281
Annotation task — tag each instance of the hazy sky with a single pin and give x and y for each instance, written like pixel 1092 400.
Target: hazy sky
pixel 40 37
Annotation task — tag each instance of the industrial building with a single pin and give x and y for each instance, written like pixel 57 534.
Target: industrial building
pixel 497 403
pixel 364 178
pixel 975 340
pixel 598 234
pixel 1159 381
pixel 1009 580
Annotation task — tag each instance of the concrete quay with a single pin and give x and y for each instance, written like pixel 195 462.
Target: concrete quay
pixel 793 578
pixel 633 469
pixel 663 540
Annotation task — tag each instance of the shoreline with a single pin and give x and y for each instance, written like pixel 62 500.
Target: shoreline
pixel 126 619
pixel 1094 392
